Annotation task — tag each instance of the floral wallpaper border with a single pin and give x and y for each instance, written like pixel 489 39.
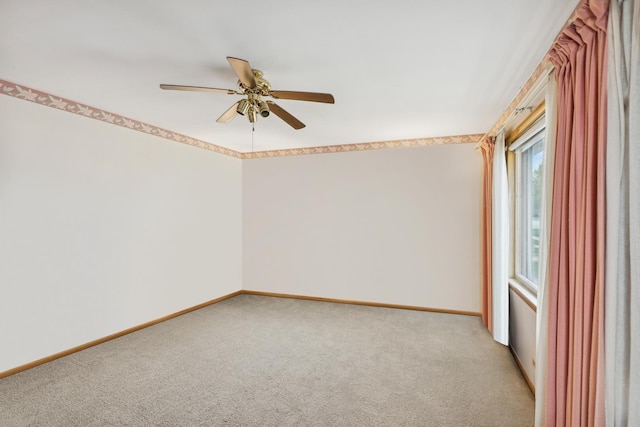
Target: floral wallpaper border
pixel 28 94
pixel 366 146
pixel 32 95
pixel 542 68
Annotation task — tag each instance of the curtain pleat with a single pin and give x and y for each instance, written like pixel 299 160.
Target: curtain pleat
pixel 575 307
pixel 486 147
pixel 495 244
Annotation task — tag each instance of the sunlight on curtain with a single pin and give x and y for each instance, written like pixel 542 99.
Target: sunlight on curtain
pixel 622 282
pixel 500 243
pixel 543 289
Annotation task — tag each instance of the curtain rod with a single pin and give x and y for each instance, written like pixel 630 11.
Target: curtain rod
pixel 526 123
pixel 545 59
pixel 529 88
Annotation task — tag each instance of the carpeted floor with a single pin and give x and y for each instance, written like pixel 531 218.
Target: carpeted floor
pixel 264 361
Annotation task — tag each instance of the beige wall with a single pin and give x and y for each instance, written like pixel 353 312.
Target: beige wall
pixel 395 226
pixel 103 228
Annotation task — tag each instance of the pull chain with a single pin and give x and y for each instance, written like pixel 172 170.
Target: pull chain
pixel 253 130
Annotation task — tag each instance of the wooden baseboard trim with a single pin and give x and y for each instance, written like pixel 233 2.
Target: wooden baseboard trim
pixel 114 336
pixel 367 303
pixel 222 298
pixel 524 373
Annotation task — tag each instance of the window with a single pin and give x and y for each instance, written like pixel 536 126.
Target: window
pixel 529 151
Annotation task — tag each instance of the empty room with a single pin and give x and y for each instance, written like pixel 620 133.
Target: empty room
pixel 334 213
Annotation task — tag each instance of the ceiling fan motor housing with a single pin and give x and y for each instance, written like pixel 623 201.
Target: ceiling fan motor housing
pixel 252 85
pixel 254 96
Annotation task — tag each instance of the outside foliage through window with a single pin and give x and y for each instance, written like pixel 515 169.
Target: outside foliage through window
pixel 529 208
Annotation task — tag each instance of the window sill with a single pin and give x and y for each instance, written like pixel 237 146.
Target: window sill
pixel 524 293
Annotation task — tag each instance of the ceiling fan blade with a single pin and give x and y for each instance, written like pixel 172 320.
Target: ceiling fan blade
pixel 243 70
pixel 228 115
pixel 199 89
pixel 303 96
pixel 284 115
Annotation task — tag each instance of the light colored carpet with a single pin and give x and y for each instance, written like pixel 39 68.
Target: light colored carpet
pixel 265 361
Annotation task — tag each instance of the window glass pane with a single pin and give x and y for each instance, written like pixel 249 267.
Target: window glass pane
pixel 530 204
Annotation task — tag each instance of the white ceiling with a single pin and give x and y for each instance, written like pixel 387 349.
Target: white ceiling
pixel 398 69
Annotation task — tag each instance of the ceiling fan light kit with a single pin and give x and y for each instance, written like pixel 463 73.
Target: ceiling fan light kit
pixel 254 86
pixel 243 107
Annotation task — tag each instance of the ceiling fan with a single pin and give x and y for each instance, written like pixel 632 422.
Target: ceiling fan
pixel 252 85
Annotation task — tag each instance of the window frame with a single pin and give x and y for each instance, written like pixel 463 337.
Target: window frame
pixel 536 133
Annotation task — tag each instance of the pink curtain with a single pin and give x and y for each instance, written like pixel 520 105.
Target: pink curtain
pixel 574 381
pixel 487 213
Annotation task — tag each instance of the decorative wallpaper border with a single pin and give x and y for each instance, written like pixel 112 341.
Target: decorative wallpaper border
pixel 366 146
pixel 32 95
pixel 542 68
pixel 48 100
